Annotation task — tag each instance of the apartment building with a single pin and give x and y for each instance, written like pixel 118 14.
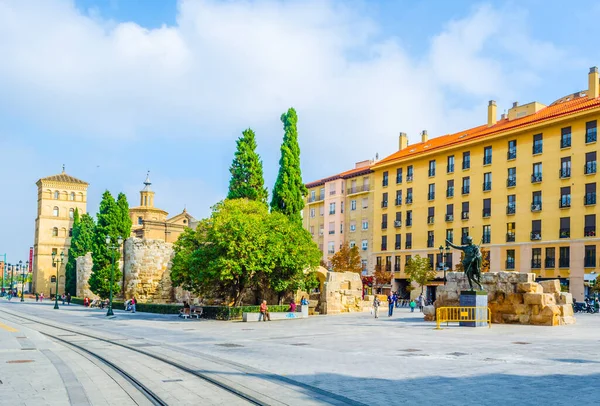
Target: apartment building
pixel 524 186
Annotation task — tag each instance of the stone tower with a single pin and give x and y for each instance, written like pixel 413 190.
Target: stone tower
pixel 58 197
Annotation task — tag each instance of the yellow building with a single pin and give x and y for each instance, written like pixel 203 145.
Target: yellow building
pixel 339 209
pixel 524 186
pixel 58 197
pixel 152 223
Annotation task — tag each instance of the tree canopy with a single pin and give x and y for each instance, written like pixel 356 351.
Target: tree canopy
pixel 418 269
pixel 347 260
pixel 247 171
pixel 82 242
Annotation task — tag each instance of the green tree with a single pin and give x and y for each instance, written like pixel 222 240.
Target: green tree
pixel 247 171
pixel 289 191
pixel 124 222
pixel 82 242
pixel 419 270
pixel 347 260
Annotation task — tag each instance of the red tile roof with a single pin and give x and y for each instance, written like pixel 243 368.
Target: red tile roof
pixel 567 105
pixel 344 175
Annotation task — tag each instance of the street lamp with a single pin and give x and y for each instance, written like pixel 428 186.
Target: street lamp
pixel 113 249
pixel 23 281
pixel 8 268
pixel 57 264
pixel 444 256
pixel 12 272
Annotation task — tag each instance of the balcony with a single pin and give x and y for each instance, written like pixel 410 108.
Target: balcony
pixel 397 223
pixel 466 164
pixel 449 217
pixel 384 247
pixel 384 203
pixel 409 199
pixel 486 212
pixel 536 263
pixel 430 243
pixel 591 135
pixel 511 182
pixel 510 264
pixel 450 191
pixel 510 237
pixel 511 208
pixel 431 196
pixel 464 215
pixel 589 262
pixel 431 172
pixel 511 154
pixel 590 167
pixel 564 202
pixel 589 198
pixel 564 262
pixel 358 189
pixel 565 141
pixel 408 245
pixel 316 198
pixel 487 186
pixel 550 263
pixel 384 225
pixel 332 192
pixel 536 206
pixel 450 168
pixel 564 233
pixel 536 177
pixel 487 160
pixel 463 239
pixel 564 173
pixel 430 219
pixel 466 190
pixel 535 236
pixel 486 238
pixel 398 179
pixel 409 177
pixel 589 231
pixel 398 201
pixel 538 148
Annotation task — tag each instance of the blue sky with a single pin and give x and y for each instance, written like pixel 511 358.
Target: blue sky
pixel 113 88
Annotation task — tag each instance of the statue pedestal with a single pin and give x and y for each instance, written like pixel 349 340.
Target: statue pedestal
pixel 475 298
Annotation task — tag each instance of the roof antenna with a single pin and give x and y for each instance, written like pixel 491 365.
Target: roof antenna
pixel 63 168
pixel 377 156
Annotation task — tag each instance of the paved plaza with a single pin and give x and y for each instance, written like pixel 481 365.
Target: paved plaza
pixel 345 359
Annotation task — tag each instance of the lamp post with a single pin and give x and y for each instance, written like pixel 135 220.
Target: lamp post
pixel 57 264
pixel 23 281
pixel 8 266
pixel 444 256
pixel 113 249
pixel 12 272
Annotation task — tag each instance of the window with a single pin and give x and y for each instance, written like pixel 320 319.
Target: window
pixel 430 239
pixel 398 197
pixel 352 244
pixel 341 207
pixel 450 164
pixel 487 234
pixel 550 261
pixel 487 207
pixel 537 172
pixel 487 155
pixel 408 243
pixel 312 215
pixel 409 195
pixel 432 168
pixel 511 180
pixel 342 228
pixel 464 233
pixel 364 265
pixel 536 230
pixel 565 197
pixel 312 230
pixel 399 175
pixel 365 202
pixel 384 242
pixel 538 145
pixel 366 182
pixel 384 221
pixel 141 220
pixel 384 200
pixel 536 258
pixel 512 150
pixel 408 218
pixel 70 232
pixel 322 193
pixel 450 235
pixel 321 210
pixel 407 259
pixel 397 262
pixel 365 245
pixel 510 259
pixel 55 232
pixel 466 161
pixel 332 227
pixel 365 224
pixel 431 194
pixel 589 260
pixel 55 253
pixel 313 196
pixel 565 167
pixel 398 244
pixel 352 226
pixel 352 205
pixel 590 162
pixel 321 229
pixel 510 232
pixel 55 211
pixel 449 212
pixel 564 259
pixel 331 247
pixel 332 189
pixel 398 220
pixel 536 201
pixel 487 181
pixel 590 132
pixel 430 215
pixel 72 196
pixel 565 227
pixel 511 204
pixel 565 137
pixel 589 228
pixel 450 188
pixel 331 208
pixel 465 211
pixel 384 182
pixel 71 213
pixel 466 185
pixel 409 173
pixel 56 195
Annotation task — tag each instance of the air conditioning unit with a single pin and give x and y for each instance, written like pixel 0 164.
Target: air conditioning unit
pixel 449 217
pixel 536 236
pixel 536 207
pixel 397 223
pixel 320 232
pixel 409 178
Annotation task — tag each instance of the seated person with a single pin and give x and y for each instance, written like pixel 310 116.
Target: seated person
pixel 186 309
pixel 292 306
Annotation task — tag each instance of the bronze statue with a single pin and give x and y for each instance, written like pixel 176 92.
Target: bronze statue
pixel 471 261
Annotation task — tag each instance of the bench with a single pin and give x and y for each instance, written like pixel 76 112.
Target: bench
pixel 191 313
pixel 302 314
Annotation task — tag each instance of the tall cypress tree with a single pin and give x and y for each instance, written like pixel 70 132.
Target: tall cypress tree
pixel 289 191
pixel 124 224
pixel 82 242
pixel 247 171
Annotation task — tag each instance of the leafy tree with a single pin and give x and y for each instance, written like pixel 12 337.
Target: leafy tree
pixel 124 220
pixel 247 171
pixel 82 242
pixel 289 191
pixel 382 276
pixel 485 261
pixel 419 270
pixel 347 260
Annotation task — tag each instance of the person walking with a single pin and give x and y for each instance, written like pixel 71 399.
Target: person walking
pixel 264 312
pixel 133 303
pixel 68 299
pixel 412 305
pixel 391 301
pixel 63 298
pixel 421 302
pixel 42 297
pixel 376 304
pixel 37 297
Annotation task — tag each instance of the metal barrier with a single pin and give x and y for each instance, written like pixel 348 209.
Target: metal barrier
pixel 473 314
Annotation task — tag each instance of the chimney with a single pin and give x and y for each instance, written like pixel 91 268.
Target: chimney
pixel 515 104
pixel 402 141
pixel 593 83
pixel 424 136
pixel 492 115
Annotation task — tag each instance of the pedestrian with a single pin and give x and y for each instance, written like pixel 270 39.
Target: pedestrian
pixel 421 302
pixel 304 301
pixel 86 302
pixel 63 297
pixel 376 303
pixel 41 297
pixel 292 306
pixel 69 299
pixel 133 303
pixel 390 300
pixel 412 305
pixel 264 312
pixel 37 297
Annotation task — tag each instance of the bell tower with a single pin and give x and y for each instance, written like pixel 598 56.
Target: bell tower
pixel 146 194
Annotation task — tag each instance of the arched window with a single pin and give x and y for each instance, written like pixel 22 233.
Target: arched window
pixel 53 279
pixel 71 213
pixel 70 232
pixel 72 196
pixel 56 195
pixel 55 211
pixel 55 232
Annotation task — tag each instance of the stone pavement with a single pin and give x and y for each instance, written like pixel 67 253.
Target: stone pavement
pixel 397 360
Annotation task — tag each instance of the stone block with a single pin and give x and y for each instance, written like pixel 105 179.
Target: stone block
pixel 565 298
pixel 551 286
pixel 535 310
pixel 489 278
pixel 529 287
pixel 510 318
pixel 524 319
pixel 515 298
pixel 525 277
pixel 566 310
pixel 533 298
pixel 541 320
pixel 567 320
pixel 550 310
pixel 521 309
pixel 549 299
